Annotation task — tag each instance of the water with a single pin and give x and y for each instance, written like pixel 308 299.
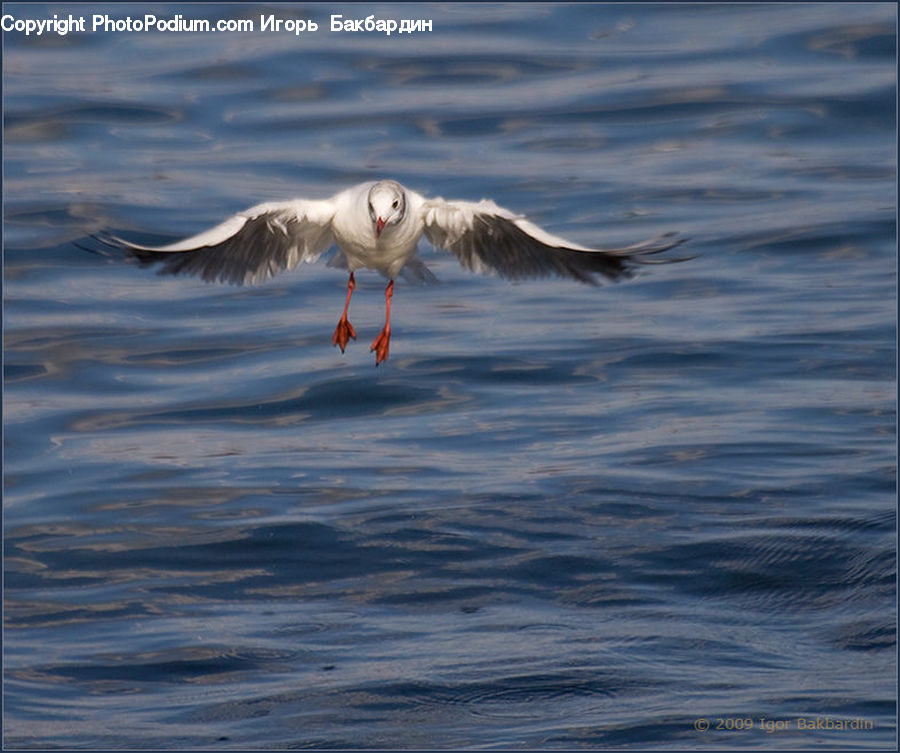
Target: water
pixel 558 516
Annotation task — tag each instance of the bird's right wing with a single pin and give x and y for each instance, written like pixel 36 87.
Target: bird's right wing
pixel 248 248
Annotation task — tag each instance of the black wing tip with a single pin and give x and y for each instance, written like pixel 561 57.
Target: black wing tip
pixel 638 253
pixel 243 258
pixel 502 246
pixel 655 245
pixel 105 242
pixel 109 240
pixel 670 260
pixel 144 256
pixel 640 256
pixel 616 265
pixel 101 243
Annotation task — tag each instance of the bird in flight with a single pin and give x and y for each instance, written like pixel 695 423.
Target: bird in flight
pixel 377 225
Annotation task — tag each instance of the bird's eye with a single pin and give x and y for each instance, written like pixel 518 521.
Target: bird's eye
pixel 395 204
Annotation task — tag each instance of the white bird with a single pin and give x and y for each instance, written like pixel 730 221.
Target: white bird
pixel 377 225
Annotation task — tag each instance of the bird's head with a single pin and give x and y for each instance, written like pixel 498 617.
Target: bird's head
pixel 387 205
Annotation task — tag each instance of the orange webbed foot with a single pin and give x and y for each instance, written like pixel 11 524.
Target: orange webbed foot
pixel 382 342
pixel 343 333
pixel 381 345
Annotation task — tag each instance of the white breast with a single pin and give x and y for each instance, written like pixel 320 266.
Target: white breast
pixel 354 234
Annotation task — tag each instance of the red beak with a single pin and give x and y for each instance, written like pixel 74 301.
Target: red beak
pixel 379 226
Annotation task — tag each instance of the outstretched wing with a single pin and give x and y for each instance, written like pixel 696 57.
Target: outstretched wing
pixel 488 238
pixel 248 248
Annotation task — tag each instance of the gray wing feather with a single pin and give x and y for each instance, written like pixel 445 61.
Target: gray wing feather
pixel 266 243
pixel 487 238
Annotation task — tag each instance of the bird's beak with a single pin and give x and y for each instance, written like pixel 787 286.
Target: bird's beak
pixel 379 226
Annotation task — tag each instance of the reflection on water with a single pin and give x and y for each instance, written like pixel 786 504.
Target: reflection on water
pixel 559 516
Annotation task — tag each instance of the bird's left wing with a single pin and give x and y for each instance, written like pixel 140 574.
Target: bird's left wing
pixel 248 248
pixel 488 238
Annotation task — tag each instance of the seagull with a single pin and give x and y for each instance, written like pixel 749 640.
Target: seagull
pixel 377 225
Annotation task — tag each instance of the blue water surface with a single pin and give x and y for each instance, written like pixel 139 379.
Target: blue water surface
pixel 559 516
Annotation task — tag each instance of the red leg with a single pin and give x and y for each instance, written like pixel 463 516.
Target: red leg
pixel 345 330
pixel 381 343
